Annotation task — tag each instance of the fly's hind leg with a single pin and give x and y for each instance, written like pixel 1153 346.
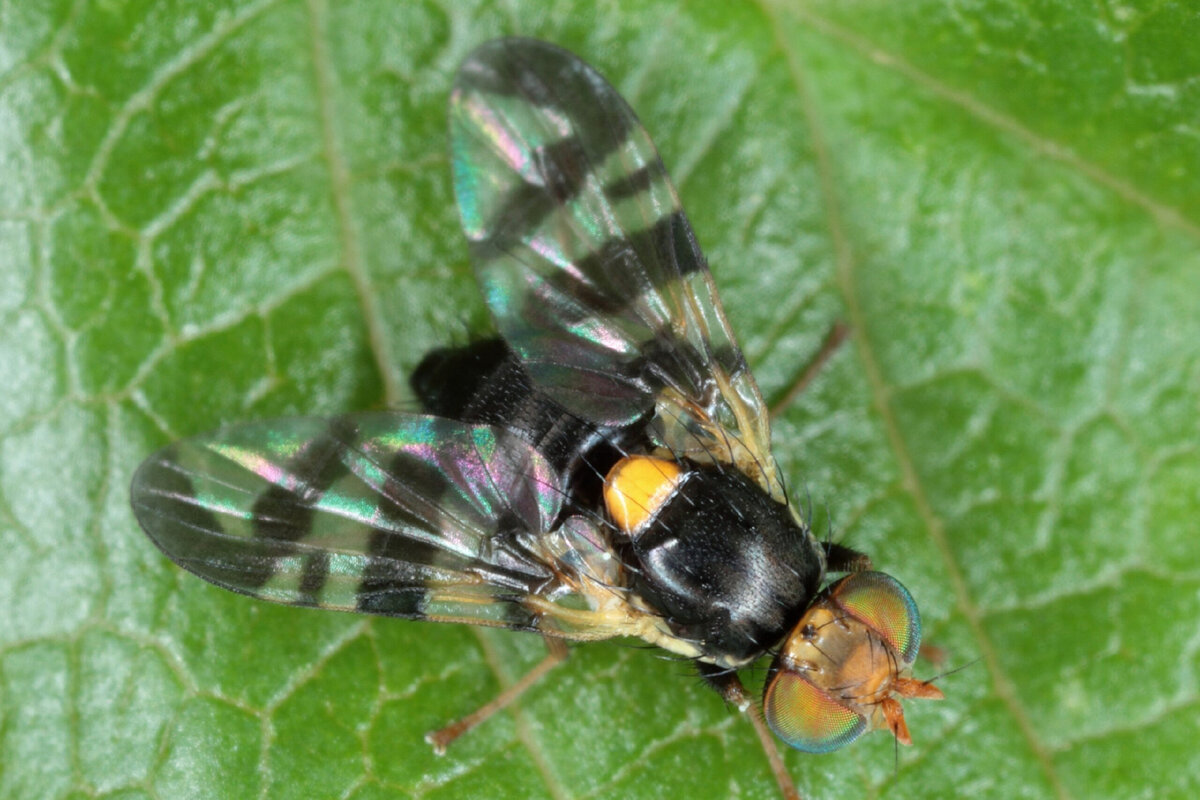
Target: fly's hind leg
pixel 441 739
pixel 729 686
pixel 833 341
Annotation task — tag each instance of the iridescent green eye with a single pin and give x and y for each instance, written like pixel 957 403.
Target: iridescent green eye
pixel 881 602
pixel 837 671
pixel 807 718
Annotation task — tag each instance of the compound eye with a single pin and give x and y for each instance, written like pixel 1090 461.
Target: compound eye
pixel 806 717
pixel 882 603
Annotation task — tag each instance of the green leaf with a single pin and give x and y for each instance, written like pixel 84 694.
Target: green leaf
pixel 216 212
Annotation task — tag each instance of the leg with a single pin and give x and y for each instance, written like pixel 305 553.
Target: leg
pixel 440 739
pixel 833 340
pixel 839 558
pixel 729 686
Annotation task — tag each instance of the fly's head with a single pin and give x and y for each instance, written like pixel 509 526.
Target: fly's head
pixel 841 669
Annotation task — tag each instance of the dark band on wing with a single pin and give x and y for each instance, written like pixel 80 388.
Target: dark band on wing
pixel 283 515
pixel 558 80
pixel 616 273
pixel 668 244
pixel 385 597
pixel 563 168
pixel 631 184
pixel 164 499
pixel 312 578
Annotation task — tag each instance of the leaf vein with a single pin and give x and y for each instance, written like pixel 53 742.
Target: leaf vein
pixel 1165 215
pixel 352 258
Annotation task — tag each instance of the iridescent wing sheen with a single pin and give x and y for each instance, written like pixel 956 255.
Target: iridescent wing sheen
pixel 383 513
pixel 587 261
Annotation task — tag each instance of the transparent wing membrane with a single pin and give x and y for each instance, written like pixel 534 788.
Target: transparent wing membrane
pixel 587 261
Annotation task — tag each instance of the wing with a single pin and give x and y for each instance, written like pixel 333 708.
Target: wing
pixel 589 266
pixel 385 513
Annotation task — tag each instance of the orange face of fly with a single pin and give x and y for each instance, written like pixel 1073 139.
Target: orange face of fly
pixel 843 666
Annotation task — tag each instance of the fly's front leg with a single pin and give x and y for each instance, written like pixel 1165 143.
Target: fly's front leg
pixel 729 686
pixel 441 739
pixel 839 558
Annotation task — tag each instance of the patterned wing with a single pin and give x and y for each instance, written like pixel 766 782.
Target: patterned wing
pixel 587 261
pixel 386 513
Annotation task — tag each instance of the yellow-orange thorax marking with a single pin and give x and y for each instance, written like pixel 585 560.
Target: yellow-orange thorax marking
pixel 637 487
